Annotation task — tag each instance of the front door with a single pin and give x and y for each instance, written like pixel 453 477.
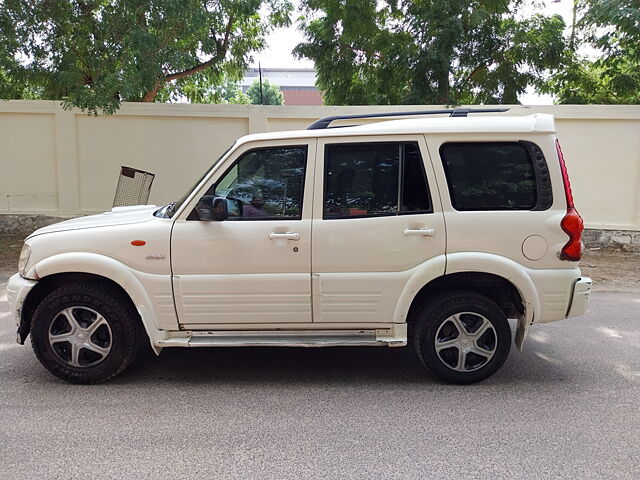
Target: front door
pixel 254 267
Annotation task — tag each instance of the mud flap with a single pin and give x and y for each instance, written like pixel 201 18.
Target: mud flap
pixel 521 332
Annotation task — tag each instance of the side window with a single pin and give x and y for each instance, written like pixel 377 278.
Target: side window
pixel 415 197
pixel 489 176
pixel 264 184
pixel 374 179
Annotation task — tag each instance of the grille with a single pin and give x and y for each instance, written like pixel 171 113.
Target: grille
pixel 133 187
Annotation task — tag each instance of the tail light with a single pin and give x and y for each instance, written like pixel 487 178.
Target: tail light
pixel 572 223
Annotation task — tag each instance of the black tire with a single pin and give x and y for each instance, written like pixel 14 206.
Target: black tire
pixel 474 308
pixel 119 335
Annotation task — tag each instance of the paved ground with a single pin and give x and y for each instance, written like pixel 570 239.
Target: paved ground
pixel 567 407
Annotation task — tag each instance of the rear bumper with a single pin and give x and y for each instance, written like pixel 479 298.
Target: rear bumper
pixel 580 297
pixel 562 293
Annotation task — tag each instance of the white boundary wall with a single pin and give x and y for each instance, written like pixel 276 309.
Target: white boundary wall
pixel 57 162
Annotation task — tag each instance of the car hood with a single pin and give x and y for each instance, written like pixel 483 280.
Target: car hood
pixel 117 216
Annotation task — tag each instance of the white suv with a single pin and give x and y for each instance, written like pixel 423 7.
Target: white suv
pixel 432 231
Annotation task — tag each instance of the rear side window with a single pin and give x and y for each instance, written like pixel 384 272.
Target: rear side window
pixel 374 179
pixel 490 176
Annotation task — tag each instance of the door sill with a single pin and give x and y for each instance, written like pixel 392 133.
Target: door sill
pixel 393 337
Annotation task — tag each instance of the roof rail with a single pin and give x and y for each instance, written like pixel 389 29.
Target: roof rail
pixel 453 112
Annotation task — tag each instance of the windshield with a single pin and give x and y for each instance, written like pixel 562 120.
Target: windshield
pixel 170 209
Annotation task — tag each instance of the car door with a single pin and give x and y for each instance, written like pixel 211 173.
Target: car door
pixel 377 219
pixel 254 267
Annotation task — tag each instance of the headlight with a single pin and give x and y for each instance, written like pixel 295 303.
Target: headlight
pixel 24 259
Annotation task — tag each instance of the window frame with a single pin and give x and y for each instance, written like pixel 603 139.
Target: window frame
pixel 541 201
pixel 305 146
pixel 399 143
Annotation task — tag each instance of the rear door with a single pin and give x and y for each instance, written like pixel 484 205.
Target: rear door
pixel 377 217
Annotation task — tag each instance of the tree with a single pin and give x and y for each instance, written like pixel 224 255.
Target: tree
pixel 201 92
pixel 271 94
pixel 428 51
pixel 93 54
pixel 230 92
pixel 612 27
pixel 11 85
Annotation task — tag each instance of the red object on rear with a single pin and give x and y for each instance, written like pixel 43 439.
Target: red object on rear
pixel 572 222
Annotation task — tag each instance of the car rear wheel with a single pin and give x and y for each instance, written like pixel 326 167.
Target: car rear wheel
pixel 85 332
pixel 462 337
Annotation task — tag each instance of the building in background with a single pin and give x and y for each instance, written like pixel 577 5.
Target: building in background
pixel 297 84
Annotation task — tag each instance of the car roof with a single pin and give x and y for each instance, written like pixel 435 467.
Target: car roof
pixel 538 123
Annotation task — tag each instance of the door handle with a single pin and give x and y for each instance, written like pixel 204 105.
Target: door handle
pixel 420 232
pixel 284 236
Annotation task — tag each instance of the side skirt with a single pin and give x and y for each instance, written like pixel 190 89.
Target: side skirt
pixel 393 337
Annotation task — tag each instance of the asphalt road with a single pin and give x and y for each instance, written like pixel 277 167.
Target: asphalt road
pixel 566 407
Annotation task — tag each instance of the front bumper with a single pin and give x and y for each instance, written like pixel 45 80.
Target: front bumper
pixel 580 297
pixel 17 290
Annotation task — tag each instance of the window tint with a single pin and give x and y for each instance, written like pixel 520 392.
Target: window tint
pixel 489 176
pixel 415 197
pixel 365 180
pixel 264 184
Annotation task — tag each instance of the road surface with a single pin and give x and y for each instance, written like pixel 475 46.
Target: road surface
pixel 566 407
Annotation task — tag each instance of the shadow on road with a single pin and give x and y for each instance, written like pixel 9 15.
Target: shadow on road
pixel 340 365
pixel 585 352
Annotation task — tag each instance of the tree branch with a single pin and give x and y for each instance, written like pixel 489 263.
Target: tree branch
pixel 150 96
pixel 220 54
pixel 482 66
pixel 191 71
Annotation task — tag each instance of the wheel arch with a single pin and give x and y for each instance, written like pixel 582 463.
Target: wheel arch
pixel 54 271
pixel 496 288
pixel 501 279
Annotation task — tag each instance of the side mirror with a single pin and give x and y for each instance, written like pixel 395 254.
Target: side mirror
pixel 220 209
pixel 212 209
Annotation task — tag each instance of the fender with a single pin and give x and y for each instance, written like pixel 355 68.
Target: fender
pixel 509 270
pixel 93 263
pixel 503 267
pixel 473 262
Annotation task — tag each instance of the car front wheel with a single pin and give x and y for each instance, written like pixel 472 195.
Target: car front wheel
pixel 85 332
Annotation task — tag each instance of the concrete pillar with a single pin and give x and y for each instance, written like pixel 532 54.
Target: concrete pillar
pixel 258 122
pixel 67 169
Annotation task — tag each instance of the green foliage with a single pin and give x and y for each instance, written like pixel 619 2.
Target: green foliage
pixel 613 27
pixel 428 51
pixel 271 94
pixel 12 85
pixel 230 92
pixel 93 54
pixel 598 82
pixel 198 91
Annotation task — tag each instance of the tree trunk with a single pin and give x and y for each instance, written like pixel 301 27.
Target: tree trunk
pixel 443 86
pixel 151 95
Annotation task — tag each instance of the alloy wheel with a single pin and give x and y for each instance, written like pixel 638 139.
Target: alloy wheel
pixel 80 336
pixel 466 341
